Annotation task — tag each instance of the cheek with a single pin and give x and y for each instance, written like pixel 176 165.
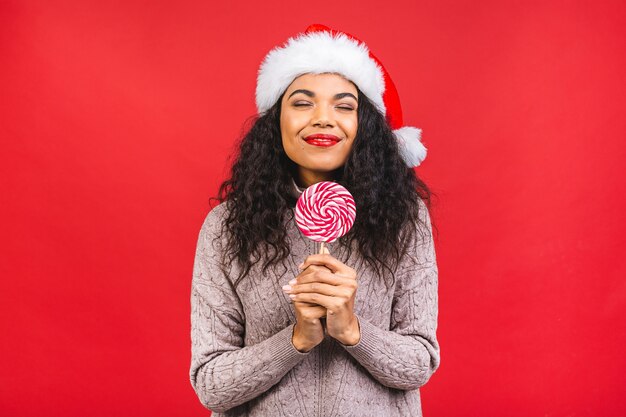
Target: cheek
pixel 289 130
pixel 290 126
pixel 351 126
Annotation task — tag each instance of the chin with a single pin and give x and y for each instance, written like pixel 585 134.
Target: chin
pixel 323 167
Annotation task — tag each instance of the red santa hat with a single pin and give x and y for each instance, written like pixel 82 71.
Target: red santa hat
pixel 321 50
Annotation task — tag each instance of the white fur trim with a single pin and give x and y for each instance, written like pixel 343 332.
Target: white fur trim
pixel 318 52
pixel 412 150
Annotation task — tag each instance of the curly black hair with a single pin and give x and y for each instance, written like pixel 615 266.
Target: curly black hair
pixel 258 194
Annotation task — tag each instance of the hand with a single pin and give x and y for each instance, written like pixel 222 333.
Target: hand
pixel 335 290
pixel 309 330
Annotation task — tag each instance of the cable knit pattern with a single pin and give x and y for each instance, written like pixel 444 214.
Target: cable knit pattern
pixel 243 362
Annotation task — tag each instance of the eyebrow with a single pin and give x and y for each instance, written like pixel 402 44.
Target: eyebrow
pixel 312 94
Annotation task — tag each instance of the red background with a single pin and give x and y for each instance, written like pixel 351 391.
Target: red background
pixel 116 121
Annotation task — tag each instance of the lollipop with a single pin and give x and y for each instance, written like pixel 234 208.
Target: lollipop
pixel 325 211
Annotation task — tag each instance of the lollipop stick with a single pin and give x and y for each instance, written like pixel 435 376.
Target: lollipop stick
pixel 323 318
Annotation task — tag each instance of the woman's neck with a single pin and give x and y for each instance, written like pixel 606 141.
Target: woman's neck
pixel 305 178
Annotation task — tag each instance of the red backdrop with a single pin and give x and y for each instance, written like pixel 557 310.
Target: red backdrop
pixel 116 121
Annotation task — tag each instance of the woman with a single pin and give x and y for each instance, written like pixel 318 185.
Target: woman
pixel 278 329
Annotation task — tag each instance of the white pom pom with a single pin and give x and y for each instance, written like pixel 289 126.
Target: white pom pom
pixel 412 150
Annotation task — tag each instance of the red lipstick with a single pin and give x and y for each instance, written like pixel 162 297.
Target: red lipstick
pixel 324 140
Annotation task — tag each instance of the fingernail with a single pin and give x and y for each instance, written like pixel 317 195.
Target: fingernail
pixel 293 282
pixel 301 265
pixel 286 288
pixel 292 296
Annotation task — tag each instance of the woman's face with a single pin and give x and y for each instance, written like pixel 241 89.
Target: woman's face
pixel 318 124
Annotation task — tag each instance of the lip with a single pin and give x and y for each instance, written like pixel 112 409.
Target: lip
pixel 323 140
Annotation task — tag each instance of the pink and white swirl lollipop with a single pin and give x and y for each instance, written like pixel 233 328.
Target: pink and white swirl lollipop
pixel 325 211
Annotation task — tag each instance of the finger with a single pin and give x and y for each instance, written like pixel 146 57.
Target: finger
pixel 309 309
pixel 326 301
pixel 313 268
pixel 320 288
pixel 328 261
pixel 325 277
pixel 304 304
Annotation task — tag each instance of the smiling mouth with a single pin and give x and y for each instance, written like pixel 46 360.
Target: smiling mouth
pixel 322 140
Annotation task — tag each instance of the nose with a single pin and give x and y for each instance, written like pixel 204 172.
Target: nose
pixel 322 117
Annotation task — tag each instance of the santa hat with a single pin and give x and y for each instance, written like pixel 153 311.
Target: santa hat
pixel 320 50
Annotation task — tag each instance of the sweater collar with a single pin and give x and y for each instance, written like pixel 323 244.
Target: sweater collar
pixel 295 190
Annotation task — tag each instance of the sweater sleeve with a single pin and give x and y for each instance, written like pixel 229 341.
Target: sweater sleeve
pixel 406 356
pixel 224 373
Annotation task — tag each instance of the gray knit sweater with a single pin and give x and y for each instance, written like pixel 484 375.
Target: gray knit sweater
pixel 243 362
